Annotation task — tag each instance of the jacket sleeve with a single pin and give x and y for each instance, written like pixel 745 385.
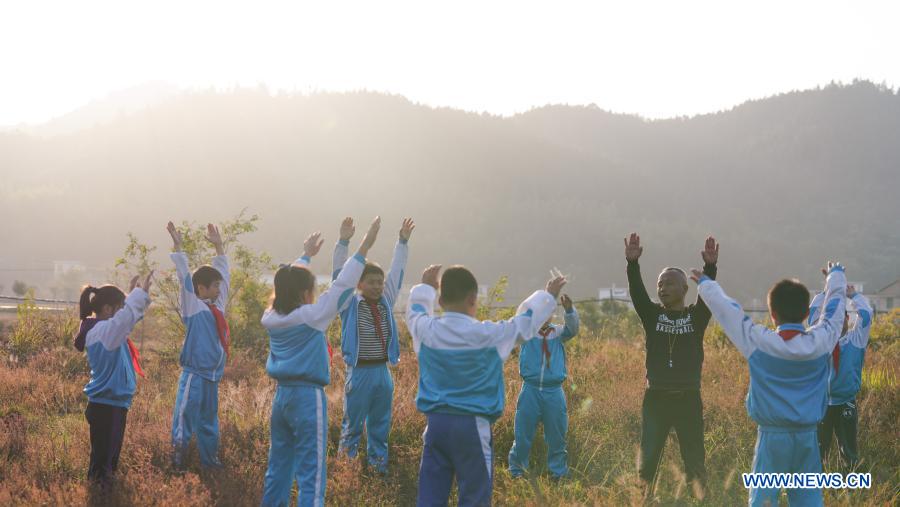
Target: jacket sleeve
pixel 530 316
pixel 420 313
pixel 114 331
pixel 190 303
pixel 394 279
pixel 320 314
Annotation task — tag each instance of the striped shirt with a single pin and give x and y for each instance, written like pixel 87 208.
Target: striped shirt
pixel 371 347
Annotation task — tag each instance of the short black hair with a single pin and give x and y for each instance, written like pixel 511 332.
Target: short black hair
pixel 371 268
pixel 457 283
pixel 290 284
pixel 789 301
pixel 205 276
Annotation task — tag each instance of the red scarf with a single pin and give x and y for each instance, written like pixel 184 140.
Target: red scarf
pixel 788 334
pixel 544 332
pixel 135 358
pixel 222 328
pixel 376 316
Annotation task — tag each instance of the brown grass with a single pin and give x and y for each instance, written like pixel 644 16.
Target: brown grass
pixel 44 445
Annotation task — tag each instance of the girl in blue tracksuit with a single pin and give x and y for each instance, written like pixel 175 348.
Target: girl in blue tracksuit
pixel 298 360
pixel 841 417
pixel 542 364
pixel 114 365
pixel 790 368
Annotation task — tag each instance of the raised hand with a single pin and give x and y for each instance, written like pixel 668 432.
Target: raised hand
pixel 710 252
pixel 430 276
pixel 213 236
pixel 176 236
pixel 312 244
pixel 828 266
pixel 370 237
pixel 566 302
pixel 147 282
pixel 555 285
pixel 696 274
pixel 133 283
pixel 407 228
pixel 633 248
pixel 347 229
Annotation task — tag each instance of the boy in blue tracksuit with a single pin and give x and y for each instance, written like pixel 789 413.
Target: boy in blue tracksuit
pixel 368 343
pixel 299 358
pixel 461 379
pixel 203 297
pixel 542 364
pixel 841 417
pixel 790 368
pixel 115 364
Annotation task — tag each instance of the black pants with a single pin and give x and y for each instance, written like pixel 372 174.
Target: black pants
pixel 107 432
pixel 661 411
pixel 840 421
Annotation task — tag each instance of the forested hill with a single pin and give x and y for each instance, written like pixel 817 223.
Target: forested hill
pixel 784 183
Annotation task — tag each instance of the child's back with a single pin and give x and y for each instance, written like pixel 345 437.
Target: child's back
pixel 790 369
pixel 461 358
pixel 461 380
pixel 299 360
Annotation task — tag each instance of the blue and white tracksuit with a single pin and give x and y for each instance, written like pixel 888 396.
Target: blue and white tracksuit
pixel 299 362
pixel 369 390
pixel 852 346
pixel 790 370
pixel 112 383
pixel 841 417
pixel 112 372
pixel 461 391
pixel 202 363
pixel 542 364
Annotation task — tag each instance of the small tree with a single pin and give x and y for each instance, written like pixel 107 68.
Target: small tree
pixel 248 294
pixel 492 308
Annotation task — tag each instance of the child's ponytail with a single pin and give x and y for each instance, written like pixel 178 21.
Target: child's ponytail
pixel 91 301
pixel 105 295
pixel 85 303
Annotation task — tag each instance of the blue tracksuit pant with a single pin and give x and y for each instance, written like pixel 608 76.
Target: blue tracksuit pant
pixel 197 412
pixel 547 406
pixel 368 395
pixel 460 446
pixel 779 450
pixel 299 427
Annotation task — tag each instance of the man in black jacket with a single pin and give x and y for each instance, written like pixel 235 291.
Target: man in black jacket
pixel 674 341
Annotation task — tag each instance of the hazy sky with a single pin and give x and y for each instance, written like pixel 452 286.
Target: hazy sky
pixel 655 58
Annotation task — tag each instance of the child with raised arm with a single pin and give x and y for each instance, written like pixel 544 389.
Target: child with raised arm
pixel 203 297
pixel 368 343
pixel 542 364
pixel 115 364
pixel 461 379
pixel 848 356
pixel 299 362
pixel 790 367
